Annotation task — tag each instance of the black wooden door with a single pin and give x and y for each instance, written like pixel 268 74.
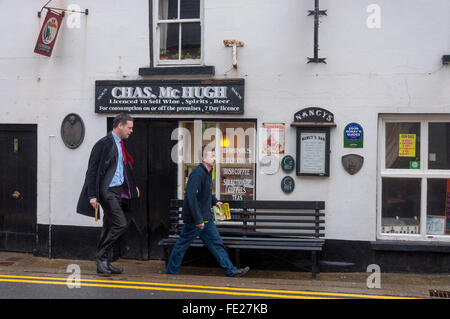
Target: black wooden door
pixel 18 187
pixel 150 145
pixel 162 182
pixel 134 243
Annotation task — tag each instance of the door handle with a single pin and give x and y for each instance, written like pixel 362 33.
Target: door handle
pixel 16 195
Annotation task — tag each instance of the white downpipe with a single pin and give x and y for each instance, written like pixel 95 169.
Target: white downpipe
pixel 50 197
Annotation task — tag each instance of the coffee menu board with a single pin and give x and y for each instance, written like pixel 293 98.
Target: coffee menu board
pixel 312 157
pixel 237 182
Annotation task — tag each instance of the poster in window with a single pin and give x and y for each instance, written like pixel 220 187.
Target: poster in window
pixel 435 225
pixel 407 145
pixel 312 157
pixel 273 138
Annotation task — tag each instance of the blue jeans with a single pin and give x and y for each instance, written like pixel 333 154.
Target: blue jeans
pixel 210 237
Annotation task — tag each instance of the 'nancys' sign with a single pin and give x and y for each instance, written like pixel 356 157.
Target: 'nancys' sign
pixel 314 115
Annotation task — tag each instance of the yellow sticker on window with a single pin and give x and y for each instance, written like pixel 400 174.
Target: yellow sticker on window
pixel 407 145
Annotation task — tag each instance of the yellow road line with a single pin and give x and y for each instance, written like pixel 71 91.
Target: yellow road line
pixel 345 295
pixel 162 289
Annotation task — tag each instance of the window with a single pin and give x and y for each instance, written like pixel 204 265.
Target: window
pixel 414 178
pixel 177 32
pixel 234 172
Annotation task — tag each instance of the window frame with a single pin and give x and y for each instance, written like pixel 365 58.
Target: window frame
pixel 423 173
pixel 155 38
pixel 181 122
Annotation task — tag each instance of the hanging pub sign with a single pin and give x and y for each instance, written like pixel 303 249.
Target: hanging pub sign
pixel 49 31
pixel 170 96
pixel 313 141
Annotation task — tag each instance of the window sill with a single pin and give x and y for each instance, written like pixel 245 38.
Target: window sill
pixel 178 70
pixel 394 245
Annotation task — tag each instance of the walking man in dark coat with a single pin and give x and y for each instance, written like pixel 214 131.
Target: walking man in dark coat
pixel 109 182
pixel 198 220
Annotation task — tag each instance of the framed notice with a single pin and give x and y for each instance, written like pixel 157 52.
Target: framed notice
pixel 313 149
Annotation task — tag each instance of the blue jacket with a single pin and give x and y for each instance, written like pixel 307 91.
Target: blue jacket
pixel 198 198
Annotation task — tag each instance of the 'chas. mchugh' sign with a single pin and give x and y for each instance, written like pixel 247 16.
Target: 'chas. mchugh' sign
pixel 170 97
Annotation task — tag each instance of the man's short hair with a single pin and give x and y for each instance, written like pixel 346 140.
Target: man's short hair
pixel 122 118
pixel 207 148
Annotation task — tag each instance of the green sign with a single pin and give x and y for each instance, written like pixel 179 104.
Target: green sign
pixel 353 136
pixel 414 164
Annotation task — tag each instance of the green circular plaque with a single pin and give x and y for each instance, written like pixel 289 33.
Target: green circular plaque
pixel 287 184
pixel 287 164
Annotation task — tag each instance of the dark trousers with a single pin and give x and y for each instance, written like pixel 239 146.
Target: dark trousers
pixel 211 237
pixel 114 221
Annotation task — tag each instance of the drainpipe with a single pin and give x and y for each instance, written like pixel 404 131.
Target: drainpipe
pixel 50 198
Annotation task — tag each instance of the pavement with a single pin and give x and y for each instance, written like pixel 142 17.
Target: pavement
pixel 343 285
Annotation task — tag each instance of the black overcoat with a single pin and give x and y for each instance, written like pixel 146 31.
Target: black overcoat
pixel 101 168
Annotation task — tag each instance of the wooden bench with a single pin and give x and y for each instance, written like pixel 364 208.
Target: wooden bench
pixel 267 225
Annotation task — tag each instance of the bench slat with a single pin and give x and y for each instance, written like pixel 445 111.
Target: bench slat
pixel 258 213
pixel 265 204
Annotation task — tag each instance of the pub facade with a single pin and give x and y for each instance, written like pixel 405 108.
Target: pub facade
pixel 352 111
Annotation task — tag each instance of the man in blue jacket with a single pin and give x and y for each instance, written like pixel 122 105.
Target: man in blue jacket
pixel 198 220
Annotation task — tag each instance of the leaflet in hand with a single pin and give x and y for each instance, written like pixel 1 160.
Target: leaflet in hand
pixel 223 213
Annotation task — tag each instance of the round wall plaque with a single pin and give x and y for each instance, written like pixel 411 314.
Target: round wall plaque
pixel 287 184
pixel 72 130
pixel 270 164
pixel 287 164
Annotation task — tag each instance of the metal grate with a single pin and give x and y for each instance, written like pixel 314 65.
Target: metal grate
pixel 439 293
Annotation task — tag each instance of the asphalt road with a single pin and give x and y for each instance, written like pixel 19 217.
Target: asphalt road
pixel 68 287
pixel 21 289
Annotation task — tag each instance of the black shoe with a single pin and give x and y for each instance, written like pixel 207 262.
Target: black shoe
pixel 240 272
pixel 102 267
pixel 114 270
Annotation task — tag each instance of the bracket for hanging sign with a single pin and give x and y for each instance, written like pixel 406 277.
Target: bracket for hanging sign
pixel 316 13
pixel 86 11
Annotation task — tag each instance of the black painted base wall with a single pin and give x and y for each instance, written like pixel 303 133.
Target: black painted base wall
pixel 72 242
pixel 67 242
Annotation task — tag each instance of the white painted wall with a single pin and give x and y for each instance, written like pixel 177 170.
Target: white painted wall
pixel 394 69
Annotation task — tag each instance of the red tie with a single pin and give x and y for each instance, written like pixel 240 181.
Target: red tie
pixel 126 155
